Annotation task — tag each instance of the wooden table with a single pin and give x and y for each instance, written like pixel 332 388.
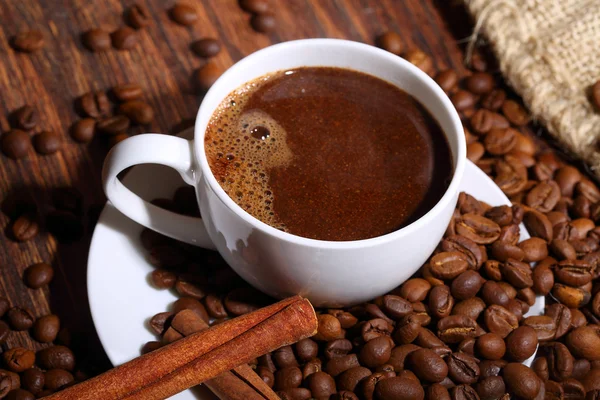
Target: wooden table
pixel 162 63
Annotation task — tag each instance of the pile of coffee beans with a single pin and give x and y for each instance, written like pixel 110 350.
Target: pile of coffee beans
pixel 99 116
pixel 28 375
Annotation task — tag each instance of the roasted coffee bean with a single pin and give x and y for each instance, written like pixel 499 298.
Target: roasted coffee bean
pixel 503 251
pixel 399 388
pixel 113 125
pixel 560 360
pixel 463 392
pixel 207 47
pixel 20 319
pixel 521 381
pixel 373 311
pixel 482 121
pixel 94 104
pixel 500 141
pixel 28 41
pixel 8 381
pixel 456 328
pixel 475 151
pixel 502 215
pixel 288 378
pixel 448 265
pixel 470 249
pixel 562 249
pixel 491 270
pixel 127 92
pixel 584 342
pixel 96 40
pixel 38 275
pixel 346 319
pixel 255 6
pixel 336 366
pixel 494 99
pixel 376 352
pixel 517 273
pixel 570 296
pixel 440 301
pixel 56 357
pixel 511 175
pixel 521 343
pixel 214 306
pixel 491 388
pixel 414 289
pixel 578 319
pixel 32 380
pixel 421 60
pixel 427 365
pixel 46 142
pixel 510 233
pixel 471 308
pixel 407 330
pixel 491 368
pixel 163 279
pixel 335 348
pixel 573 389
pixel 510 291
pixel 189 289
pixel 499 320
pixel 527 296
pixel 82 131
pixel 124 38
pixel 490 346
pixel 284 357
pixel 184 14
pixel 372 329
pixel 25 227
pixel 543 279
pixel 205 76
pixel 463 100
pixel 26 118
pixel 479 229
pixel 467 285
pixel 160 322
pixel 137 111
pixel 263 23
pixel 15 144
pixel 307 349
pixel 447 79
pixel 567 178
pixel 573 272
pixel 562 318
pixel 493 293
pixel 462 368
pixel 480 83
pixel 399 355
pixel 350 378
pixel 329 328
pixel 393 43
pixel 150 347
pixel 19 394
pixel 190 303
pixel 543 325
pixel 534 249
pixel 138 16
pixel 57 378
pixel 538 225
pixel 46 328
pixel 395 307
pixel 321 385
pixel 580 368
pixel 515 113
pixel 540 367
pixel 18 359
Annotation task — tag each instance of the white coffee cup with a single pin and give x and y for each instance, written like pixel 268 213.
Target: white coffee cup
pixel 278 263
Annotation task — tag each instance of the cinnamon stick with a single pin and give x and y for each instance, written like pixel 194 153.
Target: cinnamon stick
pixel 201 356
pixel 241 383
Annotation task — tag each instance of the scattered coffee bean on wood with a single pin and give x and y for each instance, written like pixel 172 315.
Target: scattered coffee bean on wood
pixel 83 130
pixel 138 16
pixel 124 38
pixel 207 47
pixel 47 142
pixel 390 41
pixel 26 118
pixel 420 60
pixel 95 104
pixel 20 319
pixel 15 144
pixel 46 328
pixel 28 41
pixel 184 14
pixel 206 75
pixel 38 275
pixel 255 6
pixel 25 227
pixel 113 125
pixel 447 80
pixel 96 39
pixel 137 111
pixel 263 23
pixel 127 92
pixel 18 359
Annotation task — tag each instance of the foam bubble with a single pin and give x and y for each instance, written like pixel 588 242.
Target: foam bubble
pixel 250 143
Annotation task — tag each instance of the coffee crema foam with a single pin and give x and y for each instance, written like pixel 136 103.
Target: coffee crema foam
pixel 242 146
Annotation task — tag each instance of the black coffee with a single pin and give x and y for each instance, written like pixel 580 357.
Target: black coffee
pixel 328 153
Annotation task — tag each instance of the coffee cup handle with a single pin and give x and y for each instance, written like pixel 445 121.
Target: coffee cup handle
pixel 166 150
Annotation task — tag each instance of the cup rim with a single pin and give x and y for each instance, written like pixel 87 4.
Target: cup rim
pixel 429 217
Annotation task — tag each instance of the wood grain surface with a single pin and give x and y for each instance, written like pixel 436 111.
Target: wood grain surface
pixel 162 63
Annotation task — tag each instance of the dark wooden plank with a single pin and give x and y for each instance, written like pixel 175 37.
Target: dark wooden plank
pixel 162 63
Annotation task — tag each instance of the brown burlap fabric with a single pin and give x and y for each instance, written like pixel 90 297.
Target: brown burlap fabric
pixel 549 51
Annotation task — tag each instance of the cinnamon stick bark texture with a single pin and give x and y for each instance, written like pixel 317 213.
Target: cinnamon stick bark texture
pixel 201 356
pixel 241 383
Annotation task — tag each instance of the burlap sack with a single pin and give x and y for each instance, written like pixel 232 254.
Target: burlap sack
pixel 549 51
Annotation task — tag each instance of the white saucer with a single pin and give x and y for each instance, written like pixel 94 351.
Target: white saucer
pixel 120 296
